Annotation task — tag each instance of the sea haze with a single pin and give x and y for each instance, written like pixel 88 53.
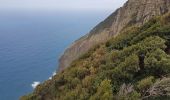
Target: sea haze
pixel 32 42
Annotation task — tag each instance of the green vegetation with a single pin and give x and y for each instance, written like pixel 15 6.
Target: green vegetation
pixel 135 65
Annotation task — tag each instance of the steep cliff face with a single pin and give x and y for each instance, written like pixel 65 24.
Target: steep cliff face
pixel 135 12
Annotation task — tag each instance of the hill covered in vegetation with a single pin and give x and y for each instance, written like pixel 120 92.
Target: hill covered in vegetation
pixel 134 65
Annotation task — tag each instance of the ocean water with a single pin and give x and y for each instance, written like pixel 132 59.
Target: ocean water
pixel 32 42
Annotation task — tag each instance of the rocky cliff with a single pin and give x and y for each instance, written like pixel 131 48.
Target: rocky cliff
pixel 135 12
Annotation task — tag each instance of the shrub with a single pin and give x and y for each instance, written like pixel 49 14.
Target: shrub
pixel 125 71
pixel 157 62
pixel 144 84
pixel 127 92
pixel 160 90
pixel 104 91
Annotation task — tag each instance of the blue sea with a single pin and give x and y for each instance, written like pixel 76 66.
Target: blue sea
pixel 31 43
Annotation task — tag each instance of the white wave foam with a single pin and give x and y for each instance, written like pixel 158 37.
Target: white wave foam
pixel 50 78
pixel 54 73
pixel 35 84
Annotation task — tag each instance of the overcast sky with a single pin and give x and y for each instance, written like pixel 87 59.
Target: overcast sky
pixel 61 4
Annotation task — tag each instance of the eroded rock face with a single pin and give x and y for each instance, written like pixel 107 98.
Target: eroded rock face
pixel 133 12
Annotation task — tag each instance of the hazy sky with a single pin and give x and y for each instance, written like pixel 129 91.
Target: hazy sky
pixel 61 4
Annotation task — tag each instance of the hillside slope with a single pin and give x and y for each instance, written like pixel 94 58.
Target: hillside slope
pixel 134 12
pixel 134 65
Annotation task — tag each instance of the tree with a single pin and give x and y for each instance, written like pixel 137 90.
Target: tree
pixel 104 91
pixel 157 62
pixel 145 84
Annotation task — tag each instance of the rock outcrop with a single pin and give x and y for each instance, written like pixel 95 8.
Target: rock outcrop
pixel 135 12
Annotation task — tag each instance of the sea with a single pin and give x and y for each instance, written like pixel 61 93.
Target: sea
pixel 31 43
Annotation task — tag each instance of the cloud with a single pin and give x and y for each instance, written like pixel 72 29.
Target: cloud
pixel 35 84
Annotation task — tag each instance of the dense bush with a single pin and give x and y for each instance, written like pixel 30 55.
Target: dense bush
pixel 144 84
pixel 104 91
